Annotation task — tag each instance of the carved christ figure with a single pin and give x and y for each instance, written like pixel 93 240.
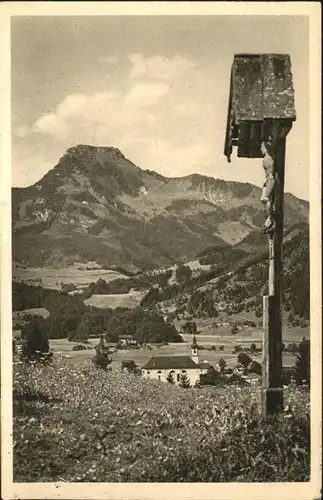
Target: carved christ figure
pixel 267 195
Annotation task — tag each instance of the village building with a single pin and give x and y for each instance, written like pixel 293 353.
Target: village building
pixel 175 367
pixel 127 340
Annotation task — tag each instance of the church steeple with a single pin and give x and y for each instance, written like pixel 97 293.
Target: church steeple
pixel 194 350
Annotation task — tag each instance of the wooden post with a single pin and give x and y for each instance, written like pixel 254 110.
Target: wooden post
pixel 272 391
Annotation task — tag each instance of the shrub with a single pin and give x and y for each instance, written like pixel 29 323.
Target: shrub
pixel 68 287
pixel 170 378
pixel 255 367
pixel 130 366
pixel 184 381
pixel 79 347
pixel 244 359
pixel 292 348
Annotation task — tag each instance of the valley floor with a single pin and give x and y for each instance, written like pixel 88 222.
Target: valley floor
pixel 205 342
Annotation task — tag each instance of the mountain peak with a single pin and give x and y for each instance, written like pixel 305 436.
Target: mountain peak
pixel 95 204
pixel 86 149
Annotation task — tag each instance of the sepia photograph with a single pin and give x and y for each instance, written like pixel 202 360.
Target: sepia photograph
pixel 160 322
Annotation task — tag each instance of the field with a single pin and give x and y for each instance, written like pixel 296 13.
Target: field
pixel 140 356
pixel 129 300
pixel 76 423
pixel 54 278
pixel 35 311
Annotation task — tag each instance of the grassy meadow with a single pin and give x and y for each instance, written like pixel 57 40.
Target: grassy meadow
pixel 54 278
pixel 129 300
pixel 76 423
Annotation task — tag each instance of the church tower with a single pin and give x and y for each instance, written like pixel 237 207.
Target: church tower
pixel 194 351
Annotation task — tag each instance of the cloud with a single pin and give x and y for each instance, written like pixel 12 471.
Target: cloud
pixel 166 157
pixel 52 124
pixel 158 123
pixel 146 94
pixel 158 67
pixel 110 60
pixel 116 113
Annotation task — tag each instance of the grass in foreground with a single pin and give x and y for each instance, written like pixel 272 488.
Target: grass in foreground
pixel 73 422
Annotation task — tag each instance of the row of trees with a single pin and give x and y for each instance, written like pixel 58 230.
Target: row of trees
pixel 71 318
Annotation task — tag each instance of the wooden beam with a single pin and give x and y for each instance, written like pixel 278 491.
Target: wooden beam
pixel 272 391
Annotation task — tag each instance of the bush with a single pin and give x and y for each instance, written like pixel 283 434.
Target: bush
pixel 79 347
pixel 292 348
pixel 130 366
pixel 170 378
pixel 184 381
pixel 255 367
pixel 244 359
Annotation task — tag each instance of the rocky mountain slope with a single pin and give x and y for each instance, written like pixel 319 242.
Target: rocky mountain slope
pixel 96 205
pixel 233 287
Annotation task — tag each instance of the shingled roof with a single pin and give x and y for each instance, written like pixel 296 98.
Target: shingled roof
pixel 169 362
pixel 261 90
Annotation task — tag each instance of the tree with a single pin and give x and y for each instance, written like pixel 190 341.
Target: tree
pixel 190 327
pixel 292 348
pixel 129 365
pixel 83 331
pixel 183 273
pixel 221 348
pixel 222 364
pixel 244 359
pixel 35 342
pixel 253 348
pixel 101 358
pixel 302 367
pixel 184 381
pixel 234 329
pixel 170 378
pixel 254 367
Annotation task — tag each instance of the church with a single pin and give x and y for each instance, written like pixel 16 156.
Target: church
pixel 176 368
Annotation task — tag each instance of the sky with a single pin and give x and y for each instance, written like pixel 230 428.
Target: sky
pixel 155 87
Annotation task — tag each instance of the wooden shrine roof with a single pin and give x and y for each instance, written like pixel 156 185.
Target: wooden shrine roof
pixel 261 89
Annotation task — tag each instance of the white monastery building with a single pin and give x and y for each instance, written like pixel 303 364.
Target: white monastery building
pixel 163 367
